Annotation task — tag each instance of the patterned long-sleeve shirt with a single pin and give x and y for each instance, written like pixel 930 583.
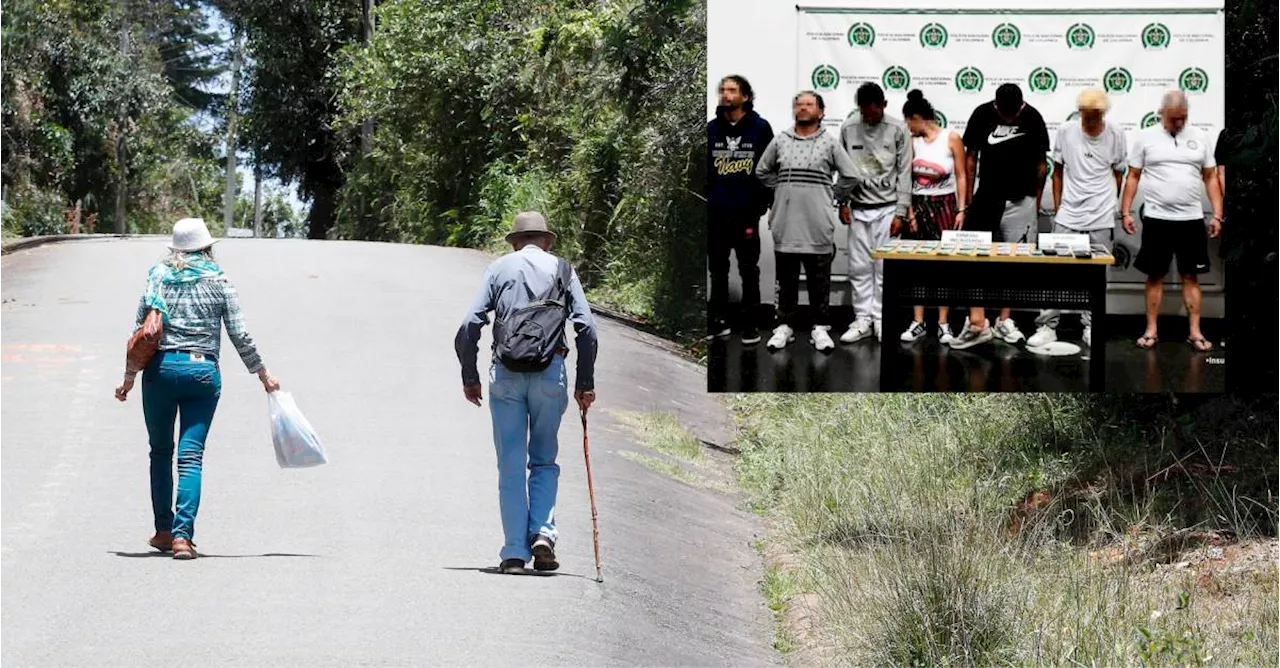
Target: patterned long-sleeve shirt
pixel 507 287
pixel 197 312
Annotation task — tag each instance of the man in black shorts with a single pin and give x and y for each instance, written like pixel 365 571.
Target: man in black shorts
pixel 1177 162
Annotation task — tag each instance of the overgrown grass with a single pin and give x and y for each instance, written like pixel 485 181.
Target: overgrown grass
pixel 778 587
pixel 967 530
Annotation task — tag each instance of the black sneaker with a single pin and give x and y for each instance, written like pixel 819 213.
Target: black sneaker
pixel 544 554
pixel 719 329
pixel 750 336
pixel 511 566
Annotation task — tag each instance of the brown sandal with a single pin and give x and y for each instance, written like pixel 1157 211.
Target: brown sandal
pixel 1147 342
pixel 163 541
pixel 183 549
pixel 1200 343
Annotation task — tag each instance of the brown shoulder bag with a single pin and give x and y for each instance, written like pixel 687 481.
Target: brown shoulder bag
pixel 144 342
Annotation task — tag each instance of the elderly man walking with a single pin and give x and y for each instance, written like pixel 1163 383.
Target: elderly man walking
pixel 532 294
pixel 1177 162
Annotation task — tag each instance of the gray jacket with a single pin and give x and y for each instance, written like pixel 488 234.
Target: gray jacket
pixel 883 152
pixel 800 170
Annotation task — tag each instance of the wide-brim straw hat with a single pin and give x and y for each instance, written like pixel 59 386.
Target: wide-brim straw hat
pixel 530 222
pixel 190 235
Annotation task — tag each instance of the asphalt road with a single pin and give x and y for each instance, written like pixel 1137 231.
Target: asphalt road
pixel 380 557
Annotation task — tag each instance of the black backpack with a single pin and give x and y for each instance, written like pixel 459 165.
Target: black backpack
pixel 526 340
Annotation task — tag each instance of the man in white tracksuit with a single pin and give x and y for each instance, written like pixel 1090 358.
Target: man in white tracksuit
pixel 877 205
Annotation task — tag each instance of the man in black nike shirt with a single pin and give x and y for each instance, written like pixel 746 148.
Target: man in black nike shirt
pixel 1010 138
pixel 736 200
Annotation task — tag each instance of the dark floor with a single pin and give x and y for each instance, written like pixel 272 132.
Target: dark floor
pixel 927 366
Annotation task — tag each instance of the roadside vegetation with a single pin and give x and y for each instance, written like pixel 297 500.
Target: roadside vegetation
pixel 1016 529
pixel 434 127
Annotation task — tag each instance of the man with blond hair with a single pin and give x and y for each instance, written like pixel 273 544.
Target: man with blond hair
pixel 1088 171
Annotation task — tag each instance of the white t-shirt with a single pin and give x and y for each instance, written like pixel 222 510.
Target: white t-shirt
pixel 933 167
pixel 1172 179
pixel 1089 194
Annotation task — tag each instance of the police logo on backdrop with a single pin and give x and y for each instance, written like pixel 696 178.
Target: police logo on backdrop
pixel 1042 80
pixel 969 80
pixel 862 35
pixel 1006 36
pixel 1150 119
pixel 1156 36
pixel 933 36
pixel 825 78
pixel 1081 36
pixel 896 78
pixel 940 117
pixel 1117 80
pixel 1193 80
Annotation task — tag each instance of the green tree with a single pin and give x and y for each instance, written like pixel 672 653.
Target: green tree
pixel 289 102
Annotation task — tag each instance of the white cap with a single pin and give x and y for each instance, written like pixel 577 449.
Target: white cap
pixel 191 234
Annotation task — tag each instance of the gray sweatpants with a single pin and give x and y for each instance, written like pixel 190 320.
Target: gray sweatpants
pixel 1103 238
pixel 1018 223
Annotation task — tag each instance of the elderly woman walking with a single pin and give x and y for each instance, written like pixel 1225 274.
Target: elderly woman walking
pixel 182 382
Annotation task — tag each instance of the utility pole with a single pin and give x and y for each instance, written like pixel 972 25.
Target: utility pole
pixel 257 193
pixel 229 199
pixel 122 120
pixel 366 25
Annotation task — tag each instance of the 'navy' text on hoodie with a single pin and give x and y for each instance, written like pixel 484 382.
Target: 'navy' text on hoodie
pixel 734 149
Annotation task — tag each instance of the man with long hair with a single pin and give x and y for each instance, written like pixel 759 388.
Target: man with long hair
pixel 736 200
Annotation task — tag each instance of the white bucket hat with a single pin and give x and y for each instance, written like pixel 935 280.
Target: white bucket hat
pixel 191 234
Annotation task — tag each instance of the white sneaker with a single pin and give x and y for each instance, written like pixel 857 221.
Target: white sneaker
pixel 821 340
pixel 914 333
pixel 970 337
pixel 1044 335
pixel 944 333
pixel 782 335
pixel 1007 331
pixel 1088 336
pixel 859 330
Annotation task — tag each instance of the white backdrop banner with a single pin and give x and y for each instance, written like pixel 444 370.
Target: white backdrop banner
pixel 958 59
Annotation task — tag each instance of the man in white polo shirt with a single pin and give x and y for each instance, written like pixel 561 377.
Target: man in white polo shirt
pixel 1088 159
pixel 1177 161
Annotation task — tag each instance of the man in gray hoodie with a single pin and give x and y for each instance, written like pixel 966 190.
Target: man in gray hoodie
pixel 876 206
pixel 798 166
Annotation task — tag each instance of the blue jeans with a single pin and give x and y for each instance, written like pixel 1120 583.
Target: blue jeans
pixel 175 385
pixel 526 410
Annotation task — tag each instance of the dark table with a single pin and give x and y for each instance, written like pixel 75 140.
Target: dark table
pixel 994 281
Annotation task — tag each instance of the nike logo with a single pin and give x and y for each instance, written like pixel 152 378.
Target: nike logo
pixel 993 138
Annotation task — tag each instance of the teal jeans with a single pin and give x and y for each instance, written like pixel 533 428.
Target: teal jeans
pixel 178 387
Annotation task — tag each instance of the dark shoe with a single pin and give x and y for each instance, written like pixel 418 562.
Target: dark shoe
pixel 750 337
pixel 183 549
pixel 163 541
pixel 511 567
pixel 544 554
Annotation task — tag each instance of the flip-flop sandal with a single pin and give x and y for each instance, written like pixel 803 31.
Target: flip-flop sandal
pixel 1147 342
pixel 1198 341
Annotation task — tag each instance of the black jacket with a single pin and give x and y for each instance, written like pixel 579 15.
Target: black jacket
pixel 733 149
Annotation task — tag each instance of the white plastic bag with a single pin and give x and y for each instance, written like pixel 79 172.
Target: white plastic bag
pixel 297 445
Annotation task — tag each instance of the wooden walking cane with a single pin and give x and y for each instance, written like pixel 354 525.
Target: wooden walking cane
pixel 591 492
